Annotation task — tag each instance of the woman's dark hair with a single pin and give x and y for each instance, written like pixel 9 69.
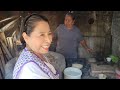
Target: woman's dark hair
pixel 29 23
pixel 71 14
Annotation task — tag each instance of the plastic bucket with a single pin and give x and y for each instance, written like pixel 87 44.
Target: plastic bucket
pixel 72 73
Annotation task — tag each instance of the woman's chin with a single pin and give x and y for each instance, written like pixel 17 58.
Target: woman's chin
pixel 44 52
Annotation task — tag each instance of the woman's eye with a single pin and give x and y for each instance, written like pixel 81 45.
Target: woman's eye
pixel 41 34
pixel 50 34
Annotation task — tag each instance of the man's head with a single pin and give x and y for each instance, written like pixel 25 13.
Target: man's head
pixel 69 20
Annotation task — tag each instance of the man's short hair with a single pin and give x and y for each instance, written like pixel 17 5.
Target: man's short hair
pixel 71 14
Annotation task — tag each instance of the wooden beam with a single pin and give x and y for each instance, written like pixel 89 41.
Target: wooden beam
pixel 3 38
pixel 11 46
pixel 2 62
pixel 7 51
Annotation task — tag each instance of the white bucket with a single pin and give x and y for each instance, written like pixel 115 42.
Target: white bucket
pixel 72 73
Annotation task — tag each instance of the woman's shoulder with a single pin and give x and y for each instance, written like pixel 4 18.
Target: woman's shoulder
pixel 61 26
pixel 76 28
pixel 25 57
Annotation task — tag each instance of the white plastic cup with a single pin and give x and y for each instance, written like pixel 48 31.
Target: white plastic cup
pixel 108 59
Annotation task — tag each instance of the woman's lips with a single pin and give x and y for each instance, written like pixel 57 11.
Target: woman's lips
pixel 46 48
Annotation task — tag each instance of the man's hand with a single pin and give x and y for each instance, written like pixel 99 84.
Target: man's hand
pixel 84 44
pixel 89 50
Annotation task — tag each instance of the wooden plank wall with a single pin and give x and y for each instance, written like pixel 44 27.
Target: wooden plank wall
pixel 98 34
pixel 116 33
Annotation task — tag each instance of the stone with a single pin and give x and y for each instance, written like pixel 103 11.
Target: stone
pixel 91 60
pixel 9 67
pixel 102 69
pixel 58 61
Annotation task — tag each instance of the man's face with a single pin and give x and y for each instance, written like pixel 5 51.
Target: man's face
pixel 69 22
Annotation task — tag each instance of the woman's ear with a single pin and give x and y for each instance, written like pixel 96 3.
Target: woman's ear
pixel 25 37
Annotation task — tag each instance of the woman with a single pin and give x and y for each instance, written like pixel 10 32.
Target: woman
pixel 32 63
pixel 68 38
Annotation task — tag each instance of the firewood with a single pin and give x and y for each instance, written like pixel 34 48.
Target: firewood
pixel 2 62
pixel 7 51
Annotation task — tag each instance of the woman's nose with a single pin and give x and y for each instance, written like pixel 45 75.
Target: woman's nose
pixel 48 39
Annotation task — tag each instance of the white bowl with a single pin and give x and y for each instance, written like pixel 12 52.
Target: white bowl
pixel 79 66
pixel 102 76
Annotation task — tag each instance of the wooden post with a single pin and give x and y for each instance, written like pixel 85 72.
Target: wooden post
pixel 2 62
pixel 11 46
pixel 3 38
pixel 5 48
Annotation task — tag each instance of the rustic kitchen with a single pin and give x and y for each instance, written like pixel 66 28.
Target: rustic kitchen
pixel 100 30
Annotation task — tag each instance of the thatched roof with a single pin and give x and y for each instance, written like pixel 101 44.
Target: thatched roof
pixel 7 20
pixel 12 24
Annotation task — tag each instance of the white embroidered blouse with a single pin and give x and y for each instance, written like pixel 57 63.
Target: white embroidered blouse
pixel 29 66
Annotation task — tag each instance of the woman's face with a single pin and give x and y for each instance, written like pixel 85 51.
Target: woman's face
pixel 40 39
pixel 68 21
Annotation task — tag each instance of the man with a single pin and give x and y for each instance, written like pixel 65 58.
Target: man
pixel 68 38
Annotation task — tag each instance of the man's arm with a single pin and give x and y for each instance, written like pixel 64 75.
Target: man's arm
pixel 84 44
